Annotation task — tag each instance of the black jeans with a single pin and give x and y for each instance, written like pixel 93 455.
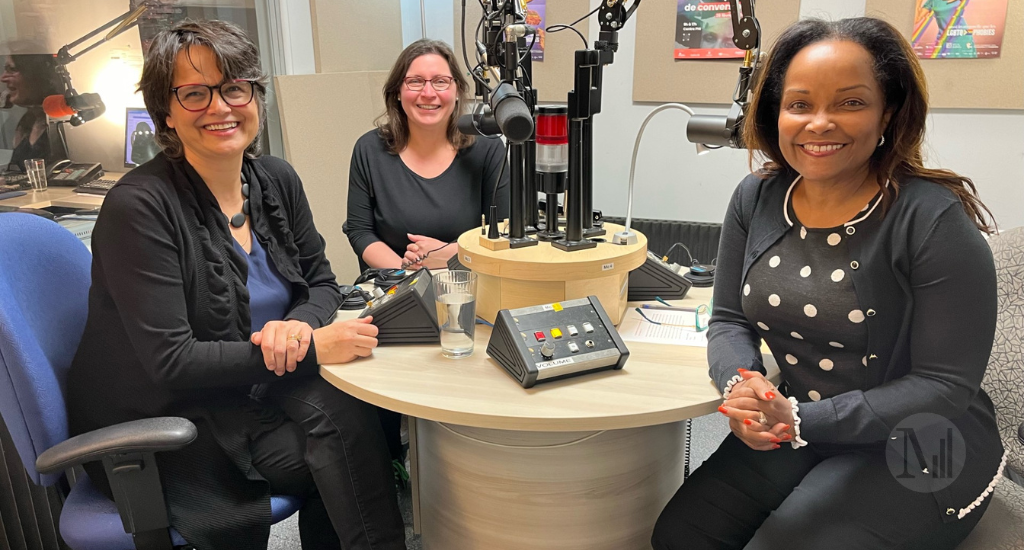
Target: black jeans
pixel 333 453
pixel 802 499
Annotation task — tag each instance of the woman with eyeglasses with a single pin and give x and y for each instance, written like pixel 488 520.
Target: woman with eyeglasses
pixel 26 80
pixel 210 300
pixel 868 276
pixel 415 182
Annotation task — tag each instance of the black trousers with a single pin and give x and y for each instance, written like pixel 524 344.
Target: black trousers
pixel 332 451
pixel 802 499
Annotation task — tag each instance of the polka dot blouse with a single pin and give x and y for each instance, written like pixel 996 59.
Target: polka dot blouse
pixel 800 296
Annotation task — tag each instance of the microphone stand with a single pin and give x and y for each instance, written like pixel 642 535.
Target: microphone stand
pixel 585 102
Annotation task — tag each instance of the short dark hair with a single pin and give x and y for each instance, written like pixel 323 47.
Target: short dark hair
pixel 393 123
pixel 903 86
pixel 237 58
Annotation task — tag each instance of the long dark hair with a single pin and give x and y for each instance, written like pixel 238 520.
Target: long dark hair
pixel 237 58
pixel 902 82
pixel 393 123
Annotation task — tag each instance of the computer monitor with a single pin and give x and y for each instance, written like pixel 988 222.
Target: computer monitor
pixel 139 137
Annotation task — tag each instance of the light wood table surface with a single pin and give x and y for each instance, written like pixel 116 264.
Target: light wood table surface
pixel 54 196
pixel 581 463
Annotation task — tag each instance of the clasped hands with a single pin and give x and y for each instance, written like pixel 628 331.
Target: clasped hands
pixel 750 397
pixel 416 253
pixel 285 343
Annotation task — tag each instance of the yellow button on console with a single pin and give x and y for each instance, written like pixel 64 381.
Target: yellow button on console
pixel 556 306
pixel 556 333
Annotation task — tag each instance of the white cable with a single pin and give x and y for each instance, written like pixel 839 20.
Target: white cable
pixel 636 148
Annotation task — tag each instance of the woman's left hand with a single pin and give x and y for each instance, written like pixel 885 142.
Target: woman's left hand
pixel 756 394
pixel 420 245
pixel 284 344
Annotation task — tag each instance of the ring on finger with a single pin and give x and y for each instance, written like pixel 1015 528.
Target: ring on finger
pixel 761 418
pixel 295 337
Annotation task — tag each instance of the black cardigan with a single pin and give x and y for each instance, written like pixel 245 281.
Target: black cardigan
pixel 925 276
pixel 168 332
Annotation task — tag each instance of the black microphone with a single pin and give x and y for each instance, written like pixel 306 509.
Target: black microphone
pixel 511 113
pixel 718 130
pixel 479 123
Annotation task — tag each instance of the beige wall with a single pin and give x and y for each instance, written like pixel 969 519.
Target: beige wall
pixel 355 35
pixel 319 141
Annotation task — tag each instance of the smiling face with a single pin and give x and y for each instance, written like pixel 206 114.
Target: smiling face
pixel 428 108
pixel 832 112
pixel 220 131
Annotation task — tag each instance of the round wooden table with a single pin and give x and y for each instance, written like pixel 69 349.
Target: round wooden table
pixel 581 463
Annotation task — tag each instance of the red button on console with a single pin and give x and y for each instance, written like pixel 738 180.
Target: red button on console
pixel 539 336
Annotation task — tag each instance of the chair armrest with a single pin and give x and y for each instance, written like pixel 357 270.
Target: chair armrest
pixel 148 435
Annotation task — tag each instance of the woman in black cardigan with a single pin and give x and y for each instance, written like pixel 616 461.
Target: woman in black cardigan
pixel 868 276
pixel 210 299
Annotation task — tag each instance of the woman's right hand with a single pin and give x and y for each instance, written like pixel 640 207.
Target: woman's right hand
pixel 345 341
pixel 742 409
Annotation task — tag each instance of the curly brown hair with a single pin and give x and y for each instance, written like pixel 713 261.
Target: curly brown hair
pixel 393 123
pixel 903 85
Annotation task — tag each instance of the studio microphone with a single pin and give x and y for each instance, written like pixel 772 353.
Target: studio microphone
pixel 718 130
pixel 511 113
pixel 478 123
pixel 81 107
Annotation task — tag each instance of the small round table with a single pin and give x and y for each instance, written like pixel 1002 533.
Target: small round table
pixel 581 463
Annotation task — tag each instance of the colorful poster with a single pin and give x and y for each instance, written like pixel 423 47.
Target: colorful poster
pixel 959 29
pixel 704 31
pixel 535 16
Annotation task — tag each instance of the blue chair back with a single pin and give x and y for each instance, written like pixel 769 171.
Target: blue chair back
pixel 44 293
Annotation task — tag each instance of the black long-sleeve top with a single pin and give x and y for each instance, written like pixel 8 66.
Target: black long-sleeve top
pixel 387 200
pixel 168 328
pixel 925 278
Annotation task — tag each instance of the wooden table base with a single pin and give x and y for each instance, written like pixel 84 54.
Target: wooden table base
pixel 515 490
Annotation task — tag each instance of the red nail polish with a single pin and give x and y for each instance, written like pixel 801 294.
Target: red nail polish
pixel 769 395
pixel 748 422
pixel 775 440
pixel 775 447
pixel 741 371
pixel 785 428
pixel 786 437
pixel 723 410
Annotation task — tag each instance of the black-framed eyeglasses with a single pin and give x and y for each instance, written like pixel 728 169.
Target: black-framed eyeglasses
pixel 439 83
pixel 197 97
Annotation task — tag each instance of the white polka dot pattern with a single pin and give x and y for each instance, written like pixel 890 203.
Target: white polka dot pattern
pixel 856 316
pixel 774 262
pixel 774 300
pixel 838 275
pixel 864 360
pixel 763 326
pixel 796 335
pixel 746 290
pixel 826 364
pixel 806 271
pixel 803 232
pixel 791 359
pixel 834 239
pixel 815 396
pixel 810 310
pixel 836 345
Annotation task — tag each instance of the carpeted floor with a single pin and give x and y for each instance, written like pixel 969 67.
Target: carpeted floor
pixel 706 433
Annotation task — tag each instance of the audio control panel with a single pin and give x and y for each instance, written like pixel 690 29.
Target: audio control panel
pixel 551 341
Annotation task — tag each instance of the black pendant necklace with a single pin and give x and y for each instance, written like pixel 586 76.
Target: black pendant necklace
pixel 238 220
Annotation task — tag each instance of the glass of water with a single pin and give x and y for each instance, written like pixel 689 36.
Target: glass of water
pixel 36 171
pixel 455 295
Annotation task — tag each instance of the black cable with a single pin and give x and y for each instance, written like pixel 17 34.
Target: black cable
pixel 573 24
pixel 424 257
pixel 528 51
pixel 494 194
pixel 556 28
pixel 465 56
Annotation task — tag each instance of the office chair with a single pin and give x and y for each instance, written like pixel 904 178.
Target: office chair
pixel 1003 523
pixel 44 287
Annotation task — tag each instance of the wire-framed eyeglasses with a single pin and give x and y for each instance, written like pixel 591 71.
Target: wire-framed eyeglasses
pixel 197 97
pixel 439 83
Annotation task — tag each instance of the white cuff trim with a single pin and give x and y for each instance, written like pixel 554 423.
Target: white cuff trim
pixel 988 490
pixel 728 387
pixel 797 440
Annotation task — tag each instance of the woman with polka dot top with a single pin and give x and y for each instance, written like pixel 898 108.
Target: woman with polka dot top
pixel 870 280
